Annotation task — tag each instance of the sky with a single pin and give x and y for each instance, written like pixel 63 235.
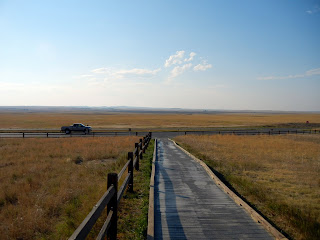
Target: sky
pixel 215 54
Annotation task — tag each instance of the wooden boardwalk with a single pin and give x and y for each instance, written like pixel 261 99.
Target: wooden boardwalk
pixel 189 205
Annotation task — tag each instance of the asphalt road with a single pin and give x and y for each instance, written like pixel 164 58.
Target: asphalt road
pixel 164 134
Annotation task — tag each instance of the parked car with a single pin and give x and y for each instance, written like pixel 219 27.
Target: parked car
pixel 76 127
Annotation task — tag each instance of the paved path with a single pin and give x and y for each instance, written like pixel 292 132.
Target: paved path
pixel 188 204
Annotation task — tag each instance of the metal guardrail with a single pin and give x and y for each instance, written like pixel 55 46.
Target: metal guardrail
pixel 105 134
pixel 112 197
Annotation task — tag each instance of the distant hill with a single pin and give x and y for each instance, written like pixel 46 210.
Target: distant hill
pixel 129 109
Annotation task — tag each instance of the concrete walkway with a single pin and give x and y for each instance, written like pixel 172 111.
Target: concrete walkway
pixel 189 205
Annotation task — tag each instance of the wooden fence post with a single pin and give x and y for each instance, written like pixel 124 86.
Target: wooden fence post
pixel 143 145
pixel 130 171
pixel 140 144
pixel 113 205
pixel 111 198
pixel 136 145
pixel 23 135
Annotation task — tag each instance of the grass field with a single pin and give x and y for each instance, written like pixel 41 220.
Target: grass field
pixel 279 175
pixel 48 186
pixel 148 121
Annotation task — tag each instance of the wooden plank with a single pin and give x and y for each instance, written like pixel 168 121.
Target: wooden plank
pixel 85 227
pixel 135 161
pixel 123 188
pixel 104 230
pixel 254 215
pixel 150 230
pixel 123 170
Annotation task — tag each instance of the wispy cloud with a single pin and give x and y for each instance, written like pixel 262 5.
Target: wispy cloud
pixel 136 72
pixel 176 64
pixel 11 86
pixel 183 64
pixel 83 76
pixel 101 70
pixel 125 73
pixel 308 73
pixel 202 67
pixel 175 59
pixel 178 70
pixel 312 72
pixel 191 56
pixel 314 10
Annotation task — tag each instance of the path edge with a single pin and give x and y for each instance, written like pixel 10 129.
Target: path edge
pixel 150 230
pixel 254 215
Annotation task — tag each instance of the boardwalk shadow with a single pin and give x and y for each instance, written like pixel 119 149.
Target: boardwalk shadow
pixel 175 228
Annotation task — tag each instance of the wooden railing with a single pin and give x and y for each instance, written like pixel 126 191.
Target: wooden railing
pixel 112 196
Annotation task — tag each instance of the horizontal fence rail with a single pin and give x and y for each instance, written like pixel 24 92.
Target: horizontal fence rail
pixel 112 196
pixel 29 134
pixel 10 134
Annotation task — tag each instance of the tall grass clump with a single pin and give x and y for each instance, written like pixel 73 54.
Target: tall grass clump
pixel 48 186
pixel 279 175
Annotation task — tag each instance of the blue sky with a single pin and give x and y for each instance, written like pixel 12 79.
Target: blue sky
pixel 248 54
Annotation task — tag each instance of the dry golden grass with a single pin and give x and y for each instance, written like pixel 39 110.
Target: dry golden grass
pixel 280 175
pixel 44 193
pixel 148 121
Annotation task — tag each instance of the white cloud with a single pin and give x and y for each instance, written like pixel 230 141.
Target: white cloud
pixel 202 67
pixel 281 77
pixel 125 73
pixel 315 9
pixel 101 70
pixel 191 56
pixel 9 86
pixel 83 76
pixel 179 63
pixel 137 72
pixel 308 73
pixel 178 70
pixel 312 72
pixel 175 59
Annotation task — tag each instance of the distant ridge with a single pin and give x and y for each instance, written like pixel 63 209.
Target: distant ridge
pixel 129 109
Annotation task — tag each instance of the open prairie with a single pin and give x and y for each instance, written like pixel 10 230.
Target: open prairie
pixel 153 121
pixel 48 186
pixel 279 175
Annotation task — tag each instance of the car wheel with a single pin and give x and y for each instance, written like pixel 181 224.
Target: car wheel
pixel 67 131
